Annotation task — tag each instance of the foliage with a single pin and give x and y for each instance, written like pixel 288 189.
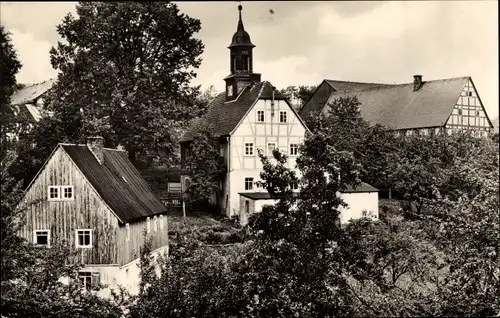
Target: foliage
pixel 9 66
pixel 298 95
pixel 202 163
pixel 124 74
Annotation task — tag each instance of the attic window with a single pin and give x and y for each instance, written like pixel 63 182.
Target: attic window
pixel 283 118
pixel 60 193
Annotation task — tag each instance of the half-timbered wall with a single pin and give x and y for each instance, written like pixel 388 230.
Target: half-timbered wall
pixel 261 135
pixel 86 211
pixel 469 113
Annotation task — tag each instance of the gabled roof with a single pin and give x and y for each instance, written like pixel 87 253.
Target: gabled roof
pixel 341 86
pixel 225 116
pixel 117 181
pixel 29 93
pixel 399 107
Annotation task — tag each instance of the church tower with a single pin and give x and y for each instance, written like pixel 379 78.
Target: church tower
pixel 241 61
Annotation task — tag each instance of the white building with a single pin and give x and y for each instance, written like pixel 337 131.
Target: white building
pixel 249 115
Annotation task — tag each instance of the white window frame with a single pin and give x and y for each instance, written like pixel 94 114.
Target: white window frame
pixel 56 198
pixel 91 240
pixel 249 146
pixel 148 224
pixel 127 229
pixel 275 147
pixel 296 149
pixel 94 278
pixel 61 192
pixel 35 235
pixel 249 181
pixel 259 112
pixel 285 116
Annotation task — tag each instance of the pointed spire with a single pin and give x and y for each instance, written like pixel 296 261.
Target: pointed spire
pixel 240 22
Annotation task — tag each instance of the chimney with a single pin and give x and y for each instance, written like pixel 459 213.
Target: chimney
pixel 417 82
pixel 96 146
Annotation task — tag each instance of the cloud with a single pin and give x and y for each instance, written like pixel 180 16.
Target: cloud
pixel 34 55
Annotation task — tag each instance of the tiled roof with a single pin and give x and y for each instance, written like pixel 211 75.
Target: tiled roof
pixel 117 181
pixel 399 107
pixel 225 116
pixel 29 93
pixel 341 86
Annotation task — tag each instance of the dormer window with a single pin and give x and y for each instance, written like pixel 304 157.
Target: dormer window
pixel 229 90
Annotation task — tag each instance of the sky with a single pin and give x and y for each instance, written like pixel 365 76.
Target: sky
pixel 304 42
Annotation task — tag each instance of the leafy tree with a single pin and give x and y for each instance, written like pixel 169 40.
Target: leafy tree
pixel 9 66
pixel 124 74
pixel 203 164
pixel 298 95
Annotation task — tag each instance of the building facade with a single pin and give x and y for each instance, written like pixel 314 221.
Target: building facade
pixel 421 107
pixel 249 115
pixel 95 200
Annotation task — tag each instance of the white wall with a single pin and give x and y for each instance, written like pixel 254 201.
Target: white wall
pixel 357 202
pixel 260 134
pixel 126 276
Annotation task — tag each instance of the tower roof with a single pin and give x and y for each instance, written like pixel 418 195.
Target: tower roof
pixel 241 37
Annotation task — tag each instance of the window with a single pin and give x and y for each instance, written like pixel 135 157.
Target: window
pixel 229 90
pixel 469 93
pixel 127 227
pixel 161 222
pixel 477 113
pixel 59 193
pixel 42 238
pixel 148 224
pixel 282 116
pixel 248 183
pixel 247 207
pixel 294 149
pixel 460 112
pixel 53 193
pixel 249 149
pixel 155 223
pixel 260 116
pixel 89 279
pixel 270 147
pixel 84 238
pixel 67 192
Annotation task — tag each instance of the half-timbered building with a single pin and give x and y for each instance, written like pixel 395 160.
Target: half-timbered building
pixel 421 107
pixel 249 115
pixel 96 201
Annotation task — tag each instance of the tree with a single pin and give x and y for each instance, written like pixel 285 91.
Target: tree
pixel 203 164
pixel 124 74
pixel 9 67
pixel 298 95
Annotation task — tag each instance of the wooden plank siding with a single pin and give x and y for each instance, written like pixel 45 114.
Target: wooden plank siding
pixel 63 218
pixel 130 250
